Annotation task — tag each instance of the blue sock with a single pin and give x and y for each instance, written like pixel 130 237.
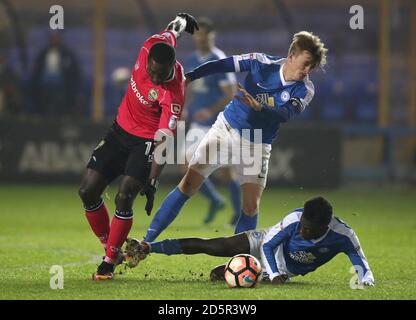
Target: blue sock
pixel 167 212
pixel 246 222
pixel 208 190
pixel 234 188
pixel 168 247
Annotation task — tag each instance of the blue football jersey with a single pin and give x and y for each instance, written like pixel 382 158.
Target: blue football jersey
pixel 304 256
pixel 206 91
pixel 264 81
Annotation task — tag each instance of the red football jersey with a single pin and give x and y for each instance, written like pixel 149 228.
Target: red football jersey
pixel 147 107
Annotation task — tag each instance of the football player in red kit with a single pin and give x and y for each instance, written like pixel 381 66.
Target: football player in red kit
pixel 150 108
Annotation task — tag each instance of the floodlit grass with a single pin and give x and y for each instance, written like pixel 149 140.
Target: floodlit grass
pixel 41 226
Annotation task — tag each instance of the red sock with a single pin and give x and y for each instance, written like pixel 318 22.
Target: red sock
pixel 99 222
pixel 120 228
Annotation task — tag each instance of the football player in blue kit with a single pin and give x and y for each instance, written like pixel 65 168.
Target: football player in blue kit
pixel 304 240
pixel 275 89
pixel 207 98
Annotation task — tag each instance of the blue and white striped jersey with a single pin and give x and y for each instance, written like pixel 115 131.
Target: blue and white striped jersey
pixel 265 82
pixel 206 91
pixel 304 256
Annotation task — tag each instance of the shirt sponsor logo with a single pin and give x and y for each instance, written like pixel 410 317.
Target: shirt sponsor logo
pixel 323 250
pixel 262 97
pixel 137 93
pixel 302 257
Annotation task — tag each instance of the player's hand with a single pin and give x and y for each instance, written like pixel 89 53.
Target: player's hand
pixel 247 99
pixel 203 114
pixel 149 190
pixel 368 283
pixel 191 23
pixel 280 279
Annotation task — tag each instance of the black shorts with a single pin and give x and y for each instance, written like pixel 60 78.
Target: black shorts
pixel 121 153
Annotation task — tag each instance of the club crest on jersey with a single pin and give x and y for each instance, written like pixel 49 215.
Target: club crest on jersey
pixel 285 96
pixel 153 94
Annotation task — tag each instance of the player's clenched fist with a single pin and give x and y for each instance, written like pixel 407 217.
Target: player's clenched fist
pixel 183 22
pixel 191 23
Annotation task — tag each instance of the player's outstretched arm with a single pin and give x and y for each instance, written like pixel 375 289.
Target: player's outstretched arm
pixel 356 255
pixel 211 67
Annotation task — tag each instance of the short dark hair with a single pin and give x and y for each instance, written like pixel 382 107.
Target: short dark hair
pixel 162 53
pixel 206 23
pixel 318 211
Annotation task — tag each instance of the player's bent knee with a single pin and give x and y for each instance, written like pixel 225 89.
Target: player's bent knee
pixel 87 195
pixel 124 200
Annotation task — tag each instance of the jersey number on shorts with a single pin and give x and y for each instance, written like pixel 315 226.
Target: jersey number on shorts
pixel 147 151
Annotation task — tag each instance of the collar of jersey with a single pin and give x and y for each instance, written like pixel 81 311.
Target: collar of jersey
pixel 320 238
pixel 282 79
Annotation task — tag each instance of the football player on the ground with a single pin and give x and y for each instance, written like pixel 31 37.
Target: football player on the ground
pixel 275 90
pixel 303 241
pixel 149 110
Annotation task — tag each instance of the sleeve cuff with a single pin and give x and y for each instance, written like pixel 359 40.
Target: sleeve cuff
pixel 236 60
pixel 368 277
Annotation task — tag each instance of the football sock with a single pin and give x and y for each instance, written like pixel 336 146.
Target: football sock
pixel 209 191
pixel 167 246
pixel 167 212
pixel 246 222
pixel 119 230
pixel 99 221
pixel 235 193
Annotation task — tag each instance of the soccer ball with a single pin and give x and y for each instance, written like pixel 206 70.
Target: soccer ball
pixel 242 271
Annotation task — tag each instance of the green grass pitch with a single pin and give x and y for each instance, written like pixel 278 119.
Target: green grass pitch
pixel 42 225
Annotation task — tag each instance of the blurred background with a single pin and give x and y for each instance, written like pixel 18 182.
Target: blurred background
pixel 60 90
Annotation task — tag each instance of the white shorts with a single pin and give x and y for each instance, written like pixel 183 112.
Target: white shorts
pixel 223 145
pixel 256 238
